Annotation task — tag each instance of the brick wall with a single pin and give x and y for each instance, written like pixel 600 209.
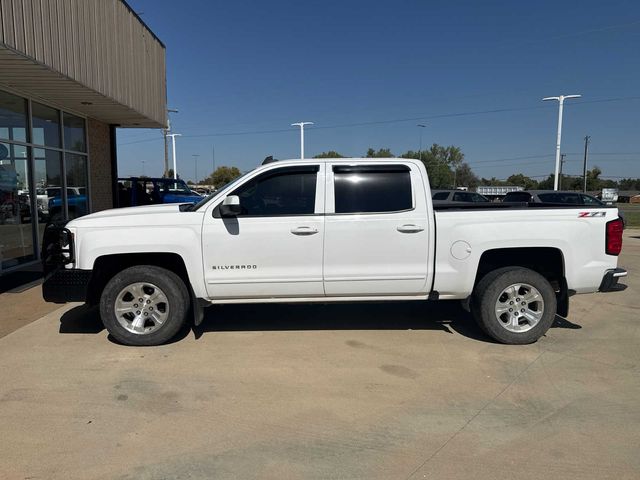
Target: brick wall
pixel 99 165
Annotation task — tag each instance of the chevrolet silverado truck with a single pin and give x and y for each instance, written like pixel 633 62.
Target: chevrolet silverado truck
pixel 332 230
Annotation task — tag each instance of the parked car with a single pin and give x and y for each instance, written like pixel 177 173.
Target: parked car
pixel 76 201
pixel 134 191
pixel 557 197
pixel 457 196
pixel 552 196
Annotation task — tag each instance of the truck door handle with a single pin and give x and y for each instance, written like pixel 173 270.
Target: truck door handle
pixel 410 228
pixel 304 230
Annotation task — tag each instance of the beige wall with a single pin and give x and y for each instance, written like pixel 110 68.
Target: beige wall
pixel 99 165
pixel 92 56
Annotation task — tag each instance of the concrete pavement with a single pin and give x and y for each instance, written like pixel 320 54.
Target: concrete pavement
pixel 383 391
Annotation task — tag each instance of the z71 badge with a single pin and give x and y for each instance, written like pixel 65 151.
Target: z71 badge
pixel 592 214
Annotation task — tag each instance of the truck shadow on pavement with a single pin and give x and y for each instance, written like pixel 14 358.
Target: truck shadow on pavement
pixel 448 317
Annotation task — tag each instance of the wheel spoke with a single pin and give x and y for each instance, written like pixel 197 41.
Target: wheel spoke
pixel 502 308
pixel 138 323
pixel 531 296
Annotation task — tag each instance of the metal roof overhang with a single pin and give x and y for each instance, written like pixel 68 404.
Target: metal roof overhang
pixel 38 81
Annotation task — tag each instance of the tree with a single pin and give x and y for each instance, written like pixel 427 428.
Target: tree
pixel 222 176
pixel 465 176
pixel 521 180
pixel 381 153
pixel 329 154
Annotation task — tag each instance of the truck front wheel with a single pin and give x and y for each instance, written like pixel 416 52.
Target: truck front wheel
pixel 144 305
pixel 514 305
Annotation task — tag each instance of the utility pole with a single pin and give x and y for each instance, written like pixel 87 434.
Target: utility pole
pixel 587 139
pixel 560 100
pixel 301 125
pixel 420 149
pixel 213 156
pixel 165 134
pixel 561 168
pixel 143 162
pixel 173 143
pixel 196 159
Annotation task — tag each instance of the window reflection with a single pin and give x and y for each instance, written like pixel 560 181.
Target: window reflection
pixel 13 117
pixel 16 238
pixel 46 125
pixel 74 133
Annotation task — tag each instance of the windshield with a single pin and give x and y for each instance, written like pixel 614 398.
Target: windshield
pixel 222 189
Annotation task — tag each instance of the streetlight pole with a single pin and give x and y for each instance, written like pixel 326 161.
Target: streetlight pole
pixel 560 100
pixel 143 162
pixel 301 125
pixel 173 144
pixel 165 133
pixel 584 165
pixel 420 149
pixel 196 159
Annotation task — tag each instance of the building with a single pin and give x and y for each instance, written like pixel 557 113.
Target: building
pixel 71 72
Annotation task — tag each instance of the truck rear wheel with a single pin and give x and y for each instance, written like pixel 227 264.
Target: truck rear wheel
pixel 144 305
pixel 514 305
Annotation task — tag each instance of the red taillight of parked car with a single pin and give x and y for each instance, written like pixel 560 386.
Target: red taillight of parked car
pixel 614 237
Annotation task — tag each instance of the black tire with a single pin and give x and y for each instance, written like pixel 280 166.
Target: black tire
pixel 486 295
pixel 169 283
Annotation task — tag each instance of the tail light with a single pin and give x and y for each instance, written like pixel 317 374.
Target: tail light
pixel 614 237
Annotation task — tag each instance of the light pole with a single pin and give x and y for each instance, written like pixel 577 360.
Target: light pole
pixel 301 125
pixel 173 144
pixel 560 100
pixel 196 159
pixel 420 149
pixel 165 133
pixel 143 162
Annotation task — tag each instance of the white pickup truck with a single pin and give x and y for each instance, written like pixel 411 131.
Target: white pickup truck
pixel 332 230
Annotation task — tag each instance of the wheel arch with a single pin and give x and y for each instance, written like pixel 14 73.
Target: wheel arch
pixel 547 261
pixel 106 267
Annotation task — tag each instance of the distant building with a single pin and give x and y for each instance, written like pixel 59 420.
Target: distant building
pixel 70 73
pixel 492 192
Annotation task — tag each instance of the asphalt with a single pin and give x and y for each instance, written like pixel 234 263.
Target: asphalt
pixel 381 391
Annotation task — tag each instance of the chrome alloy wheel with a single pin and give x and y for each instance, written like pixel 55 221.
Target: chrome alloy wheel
pixel 141 308
pixel 519 307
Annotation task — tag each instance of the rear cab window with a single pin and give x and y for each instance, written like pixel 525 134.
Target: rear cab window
pixel 371 189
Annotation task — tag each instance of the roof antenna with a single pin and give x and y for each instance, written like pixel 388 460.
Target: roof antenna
pixel 269 159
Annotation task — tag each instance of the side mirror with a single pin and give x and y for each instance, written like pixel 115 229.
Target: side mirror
pixel 230 206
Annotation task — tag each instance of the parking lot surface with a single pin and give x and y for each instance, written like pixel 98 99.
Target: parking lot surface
pixel 376 391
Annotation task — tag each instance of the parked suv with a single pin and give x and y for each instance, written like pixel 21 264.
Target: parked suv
pixel 457 196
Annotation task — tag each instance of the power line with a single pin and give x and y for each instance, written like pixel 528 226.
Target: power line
pixel 390 121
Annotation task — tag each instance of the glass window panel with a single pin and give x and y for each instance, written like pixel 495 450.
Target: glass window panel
pixel 74 133
pixel 13 117
pixel 369 190
pixel 46 125
pixel 16 238
pixel 279 193
pixel 76 185
pixel 48 176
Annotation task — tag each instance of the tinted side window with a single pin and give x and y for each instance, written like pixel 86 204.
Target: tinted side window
pixel 589 200
pixel 517 197
pixel 440 196
pixel 280 192
pixel 371 189
pixel 476 197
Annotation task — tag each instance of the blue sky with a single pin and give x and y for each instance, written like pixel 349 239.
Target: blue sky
pixel 239 67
